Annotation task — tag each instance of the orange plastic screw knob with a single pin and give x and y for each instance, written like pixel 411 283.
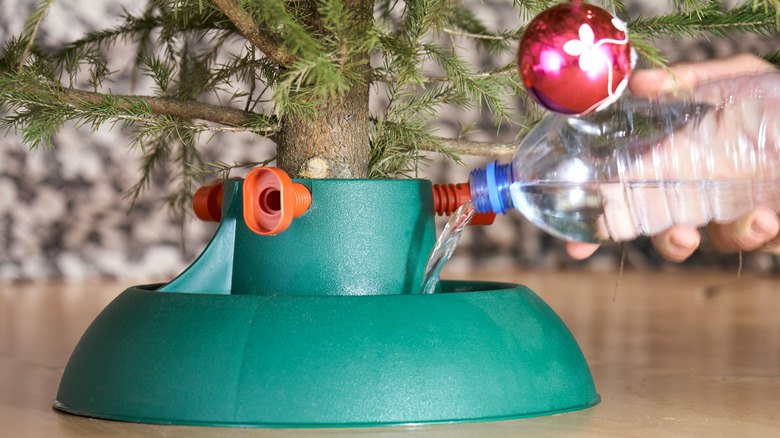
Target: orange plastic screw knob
pixel 449 197
pixel 207 201
pixel 272 200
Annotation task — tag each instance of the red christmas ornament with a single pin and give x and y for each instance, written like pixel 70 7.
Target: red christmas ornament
pixel 575 58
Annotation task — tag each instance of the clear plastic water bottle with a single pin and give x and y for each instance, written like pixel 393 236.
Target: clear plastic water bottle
pixel 640 167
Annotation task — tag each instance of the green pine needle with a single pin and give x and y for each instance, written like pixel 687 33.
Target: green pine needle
pixel 710 20
pixel 31 29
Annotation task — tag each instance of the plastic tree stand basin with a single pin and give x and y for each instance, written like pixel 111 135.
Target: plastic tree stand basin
pixel 210 348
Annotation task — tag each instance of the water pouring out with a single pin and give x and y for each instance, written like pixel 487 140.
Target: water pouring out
pixel 445 246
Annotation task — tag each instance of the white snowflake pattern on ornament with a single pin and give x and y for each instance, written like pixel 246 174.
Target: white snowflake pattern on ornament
pixel 590 57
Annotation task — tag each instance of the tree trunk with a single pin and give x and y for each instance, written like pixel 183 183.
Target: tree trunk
pixel 333 143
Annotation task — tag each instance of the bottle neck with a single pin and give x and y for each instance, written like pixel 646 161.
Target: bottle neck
pixel 490 188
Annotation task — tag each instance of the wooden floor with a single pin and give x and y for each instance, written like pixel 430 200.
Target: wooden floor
pixel 672 354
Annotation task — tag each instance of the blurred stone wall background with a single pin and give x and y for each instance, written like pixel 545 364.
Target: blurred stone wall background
pixel 63 216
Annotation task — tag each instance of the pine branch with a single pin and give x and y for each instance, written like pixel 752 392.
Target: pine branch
pixel 477 36
pixel 648 50
pixel 171 24
pixel 222 169
pixel 465 23
pixel 31 28
pixel 155 156
pixel 744 18
pixel 158 105
pixel 403 49
pixel 530 8
pixel 38 110
pixel 774 58
pixel 400 138
pixel 509 70
pixel 765 4
pixel 617 6
pixel 477 89
pixel 260 37
pixel 478 148
pixel 694 7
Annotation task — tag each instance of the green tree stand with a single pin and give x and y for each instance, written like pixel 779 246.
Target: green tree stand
pixel 324 325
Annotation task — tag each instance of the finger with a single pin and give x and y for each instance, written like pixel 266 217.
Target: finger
pixel 677 243
pixel 649 83
pixel 687 74
pixel 580 250
pixel 747 233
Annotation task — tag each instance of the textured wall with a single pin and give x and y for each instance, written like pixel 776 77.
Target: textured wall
pixel 62 212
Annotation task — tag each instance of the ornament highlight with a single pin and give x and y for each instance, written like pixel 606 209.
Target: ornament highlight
pixel 575 58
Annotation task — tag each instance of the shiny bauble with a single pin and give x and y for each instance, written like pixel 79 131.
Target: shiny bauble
pixel 575 58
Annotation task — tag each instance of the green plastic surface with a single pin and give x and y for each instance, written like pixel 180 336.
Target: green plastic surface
pixel 323 325
pixel 493 351
pixel 359 237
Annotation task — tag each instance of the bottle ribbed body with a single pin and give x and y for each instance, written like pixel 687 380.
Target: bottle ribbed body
pixel 640 167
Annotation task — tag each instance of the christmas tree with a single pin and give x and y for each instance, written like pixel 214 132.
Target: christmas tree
pixel 344 88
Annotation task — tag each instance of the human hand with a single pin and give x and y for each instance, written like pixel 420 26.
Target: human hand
pixel 758 228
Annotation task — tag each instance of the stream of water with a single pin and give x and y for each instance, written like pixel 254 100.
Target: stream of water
pixel 445 245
